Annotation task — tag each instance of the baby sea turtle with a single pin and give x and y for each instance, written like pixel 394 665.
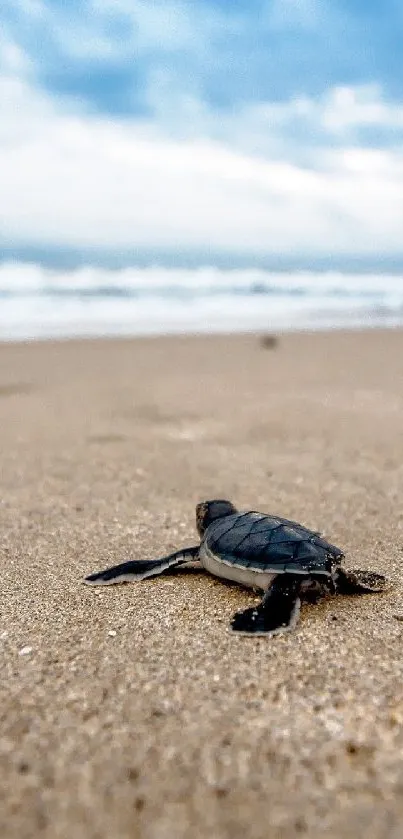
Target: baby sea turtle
pixel 280 557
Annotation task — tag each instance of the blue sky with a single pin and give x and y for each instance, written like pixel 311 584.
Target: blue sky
pixel 251 129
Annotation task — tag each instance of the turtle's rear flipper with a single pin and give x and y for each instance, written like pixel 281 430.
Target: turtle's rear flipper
pixel 139 569
pixel 278 611
pixel 359 582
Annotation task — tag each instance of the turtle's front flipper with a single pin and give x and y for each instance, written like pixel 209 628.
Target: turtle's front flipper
pixel 140 569
pixel 358 582
pixel 278 611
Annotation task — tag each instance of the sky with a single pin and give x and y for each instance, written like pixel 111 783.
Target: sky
pixel 202 130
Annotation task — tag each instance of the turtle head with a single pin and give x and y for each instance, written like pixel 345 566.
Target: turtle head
pixel 209 511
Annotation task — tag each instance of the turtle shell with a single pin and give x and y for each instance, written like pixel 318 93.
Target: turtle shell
pixel 270 544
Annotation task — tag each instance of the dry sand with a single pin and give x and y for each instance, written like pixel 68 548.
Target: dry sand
pixel 131 711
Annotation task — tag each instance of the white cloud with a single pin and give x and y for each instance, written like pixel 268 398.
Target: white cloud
pixel 296 128
pixel 358 107
pixel 75 179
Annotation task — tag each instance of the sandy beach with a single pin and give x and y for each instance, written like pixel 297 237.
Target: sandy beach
pixel 131 711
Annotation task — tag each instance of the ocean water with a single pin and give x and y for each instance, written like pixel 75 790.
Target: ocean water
pixel 36 302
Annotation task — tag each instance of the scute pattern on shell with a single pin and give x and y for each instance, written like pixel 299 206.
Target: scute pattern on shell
pixel 270 543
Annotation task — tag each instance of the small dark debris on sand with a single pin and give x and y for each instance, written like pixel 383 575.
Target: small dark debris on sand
pixel 269 342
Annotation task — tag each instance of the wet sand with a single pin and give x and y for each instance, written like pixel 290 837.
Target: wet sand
pixel 131 711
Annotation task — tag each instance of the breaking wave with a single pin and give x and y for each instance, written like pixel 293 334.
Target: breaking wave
pixel 36 302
